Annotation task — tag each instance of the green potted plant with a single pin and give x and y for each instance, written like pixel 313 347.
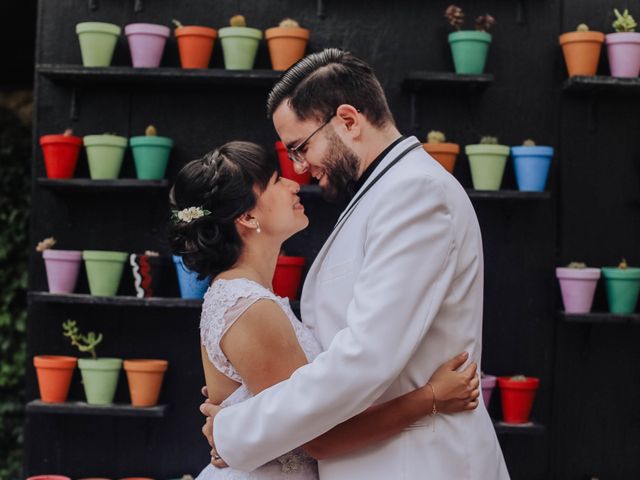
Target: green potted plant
pixel 62 266
pixel 623 47
pixel 195 44
pixel 287 43
pixel 151 154
pixel 61 154
pixel 239 44
pixel 99 375
pixel 487 160
pixel 581 50
pixel 104 270
pixel 531 163
pixel 443 152
pixel 97 42
pixel 105 154
pixel 517 394
pixel 577 285
pixel 623 286
pixel 469 47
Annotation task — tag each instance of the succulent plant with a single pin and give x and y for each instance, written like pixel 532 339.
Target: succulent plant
pixel 45 244
pixel 84 343
pixel 177 23
pixel 528 143
pixel 151 131
pixel 623 265
pixel 289 23
pixel 577 265
pixel 583 27
pixel 68 132
pixel 238 21
pixel 518 378
pixel 434 136
pixel 454 16
pixel 624 22
pixel 489 140
pixel 485 22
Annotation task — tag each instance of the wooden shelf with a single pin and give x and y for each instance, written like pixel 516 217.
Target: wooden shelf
pixel 602 84
pixel 86 299
pixel 82 408
pixel 507 195
pixel 87 185
pixel 530 428
pixel 600 317
pixel 418 81
pixel 77 74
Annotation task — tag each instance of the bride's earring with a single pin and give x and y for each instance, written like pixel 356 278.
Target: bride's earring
pixel 257 225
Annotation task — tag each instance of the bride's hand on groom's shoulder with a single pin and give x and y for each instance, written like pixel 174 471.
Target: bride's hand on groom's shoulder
pixel 455 391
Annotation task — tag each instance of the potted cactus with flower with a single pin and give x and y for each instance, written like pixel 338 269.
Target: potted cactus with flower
pixel 469 47
pixel 195 44
pixel 487 160
pixel 287 43
pixel 150 154
pixel 531 163
pixel 239 44
pixel 623 46
pixel 445 153
pixel 99 375
pixel 581 50
pixel 577 285
pixel 623 287
pixel 62 266
pixel 517 394
pixel 61 153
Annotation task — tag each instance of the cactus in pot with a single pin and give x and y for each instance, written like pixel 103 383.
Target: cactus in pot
pixel 531 164
pixel 61 153
pixel 469 48
pixel 195 44
pixel 287 43
pixel 581 50
pixel 443 152
pixel 623 46
pixel 487 160
pixel 151 154
pixel 517 394
pixel 577 285
pixel 239 44
pixel 623 287
pixel 62 266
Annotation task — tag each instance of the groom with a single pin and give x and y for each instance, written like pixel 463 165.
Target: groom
pixel 396 290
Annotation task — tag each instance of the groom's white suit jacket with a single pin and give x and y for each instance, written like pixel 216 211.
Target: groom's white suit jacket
pixel 395 291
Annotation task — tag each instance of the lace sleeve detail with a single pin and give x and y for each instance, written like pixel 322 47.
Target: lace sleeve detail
pixel 224 303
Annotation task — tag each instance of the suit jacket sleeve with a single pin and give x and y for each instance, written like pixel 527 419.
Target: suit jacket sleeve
pixel 408 266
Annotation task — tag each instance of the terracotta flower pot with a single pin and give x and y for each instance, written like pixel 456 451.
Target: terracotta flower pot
pixel 195 45
pixel 517 398
pixel 488 382
pixel 62 269
pixel 578 286
pixel 286 279
pixel 444 153
pixel 581 51
pixel 60 154
pixel 623 50
pixel 146 43
pixel 487 165
pixel 145 380
pixel 286 45
pixel 49 477
pixel 54 374
pixel 286 166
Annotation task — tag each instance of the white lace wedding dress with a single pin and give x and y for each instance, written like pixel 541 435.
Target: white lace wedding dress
pixel 224 302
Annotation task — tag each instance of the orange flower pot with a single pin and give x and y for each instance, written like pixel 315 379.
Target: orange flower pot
pixel 195 45
pixel 286 45
pixel 54 376
pixel 445 153
pixel 145 380
pixel 581 51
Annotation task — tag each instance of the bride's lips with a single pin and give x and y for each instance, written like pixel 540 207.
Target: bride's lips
pixel 298 205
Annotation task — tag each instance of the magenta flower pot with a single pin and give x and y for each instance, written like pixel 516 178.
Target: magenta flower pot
pixel 146 43
pixel 62 269
pixel 623 50
pixel 488 383
pixel 577 286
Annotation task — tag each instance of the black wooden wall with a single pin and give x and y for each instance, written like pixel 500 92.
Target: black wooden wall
pixel 589 374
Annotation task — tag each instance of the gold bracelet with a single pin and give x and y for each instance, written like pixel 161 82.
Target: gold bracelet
pixel 434 410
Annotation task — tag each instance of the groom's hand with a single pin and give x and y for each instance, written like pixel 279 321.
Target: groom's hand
pixel 210 411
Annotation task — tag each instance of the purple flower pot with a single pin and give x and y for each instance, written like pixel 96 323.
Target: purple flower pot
pixel 623 49
pixel 146 43
pixel 62 269
pixel 488 382
pixel 577 286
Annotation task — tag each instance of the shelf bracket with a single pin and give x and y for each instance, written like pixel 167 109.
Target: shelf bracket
pixel 320 11
pixel 73 109
pixel 521 13
pixel 93 5
pixel 413 109
pixel 138 6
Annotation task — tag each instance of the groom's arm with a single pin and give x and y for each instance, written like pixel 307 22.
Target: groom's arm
pixel 408 266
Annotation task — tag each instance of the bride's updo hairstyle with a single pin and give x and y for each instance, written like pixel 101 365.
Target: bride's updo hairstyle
pixel 224 183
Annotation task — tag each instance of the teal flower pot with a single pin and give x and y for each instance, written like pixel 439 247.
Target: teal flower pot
pixel 487 165
pixel 100 379
pixel 150 155
pixel 469 50
pixel 239 47
pixel 532 165
pixel 623 287
pixel 97 42
pixel 105 154
pixel 104 271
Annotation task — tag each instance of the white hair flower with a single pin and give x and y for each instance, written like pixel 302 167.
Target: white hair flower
pixel 187 215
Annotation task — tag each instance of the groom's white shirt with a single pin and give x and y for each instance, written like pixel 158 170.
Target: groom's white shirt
pixel 394 292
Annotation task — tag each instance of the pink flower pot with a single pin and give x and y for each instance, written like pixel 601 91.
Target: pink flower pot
pixel 488 383
pixel 62 269
pixel 146 43
pixel 577 286
pixel 623 49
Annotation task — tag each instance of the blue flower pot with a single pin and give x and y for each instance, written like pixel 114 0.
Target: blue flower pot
pixel 532 167
pixel 190 286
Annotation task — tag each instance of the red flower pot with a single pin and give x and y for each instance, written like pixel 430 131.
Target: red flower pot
pixel 286 279
pixel 286 166
pixel 60 154
pixel 517 398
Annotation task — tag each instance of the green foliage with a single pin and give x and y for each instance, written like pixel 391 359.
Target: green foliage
pixel 15 153
pixel 84 343
pixel 624 22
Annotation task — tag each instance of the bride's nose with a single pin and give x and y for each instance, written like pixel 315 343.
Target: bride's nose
pixel 293 186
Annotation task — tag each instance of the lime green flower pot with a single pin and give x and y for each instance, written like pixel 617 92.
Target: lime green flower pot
pixel 105 154
pixel 104 271
pixel 97 42
pixel 487 165
pixel 150 155
pixel 469 50
pixel 623 287
pixel 100 379
pixel 239 47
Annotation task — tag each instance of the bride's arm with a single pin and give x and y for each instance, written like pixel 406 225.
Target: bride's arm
pixel 263 348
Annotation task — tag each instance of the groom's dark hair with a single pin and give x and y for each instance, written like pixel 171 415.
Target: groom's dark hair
pixel 319 83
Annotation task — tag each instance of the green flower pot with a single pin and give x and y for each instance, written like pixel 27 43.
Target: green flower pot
pixel 104 271
pixel 487 165
pixel 239 47
pixel 97 42
pixel 100 379
pixel 150 155
pixel 469 50
pixel 105 154
pixel 623 287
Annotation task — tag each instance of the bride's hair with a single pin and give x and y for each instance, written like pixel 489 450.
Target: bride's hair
pixel 224 183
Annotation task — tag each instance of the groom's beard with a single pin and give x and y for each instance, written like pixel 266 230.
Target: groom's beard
pixel 341 167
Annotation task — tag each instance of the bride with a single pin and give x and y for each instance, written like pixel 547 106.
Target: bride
pixel 232 212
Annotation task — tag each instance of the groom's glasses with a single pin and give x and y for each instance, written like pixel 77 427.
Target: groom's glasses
pixel 296 154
